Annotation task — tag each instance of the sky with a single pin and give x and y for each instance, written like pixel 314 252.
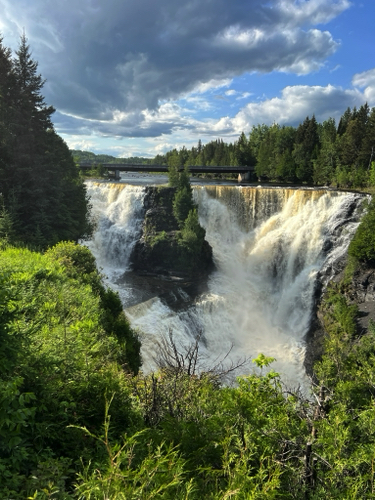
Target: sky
pixel 141 77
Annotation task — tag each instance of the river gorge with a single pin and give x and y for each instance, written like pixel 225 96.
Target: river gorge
pixel 273 248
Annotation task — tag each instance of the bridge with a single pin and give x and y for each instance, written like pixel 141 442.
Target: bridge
pixel 244 173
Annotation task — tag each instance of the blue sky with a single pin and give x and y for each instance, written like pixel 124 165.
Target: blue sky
pixel 139 78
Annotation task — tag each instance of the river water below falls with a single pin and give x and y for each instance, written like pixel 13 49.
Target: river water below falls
pixel 269 244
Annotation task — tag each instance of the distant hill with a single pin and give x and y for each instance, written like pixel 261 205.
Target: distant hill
pixel 88 157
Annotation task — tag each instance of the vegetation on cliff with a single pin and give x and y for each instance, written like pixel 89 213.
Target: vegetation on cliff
pixel 362 246
pixel 65 343
pixel 173 242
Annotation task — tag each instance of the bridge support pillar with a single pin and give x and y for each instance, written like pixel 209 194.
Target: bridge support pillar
pixel 245 177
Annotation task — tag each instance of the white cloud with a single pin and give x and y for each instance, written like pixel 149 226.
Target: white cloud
pixel 130 56
pixel 366 80
pixel 147 70
pixel 234 36
pixel 312 11
pixel 244 95
pixel 212 84
pixel 296 103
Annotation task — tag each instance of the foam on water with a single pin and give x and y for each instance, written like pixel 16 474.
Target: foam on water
pixel 268 246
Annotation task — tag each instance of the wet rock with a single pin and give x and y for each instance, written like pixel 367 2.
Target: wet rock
pixel 161 252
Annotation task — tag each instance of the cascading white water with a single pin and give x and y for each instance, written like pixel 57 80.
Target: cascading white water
pixel 117 213
pixel 268 248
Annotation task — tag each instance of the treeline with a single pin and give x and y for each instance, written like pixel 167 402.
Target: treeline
pixel 88 157
pixel 43 199
pixel 313 153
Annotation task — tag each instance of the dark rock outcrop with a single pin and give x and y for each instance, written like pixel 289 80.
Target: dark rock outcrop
pixel 162 250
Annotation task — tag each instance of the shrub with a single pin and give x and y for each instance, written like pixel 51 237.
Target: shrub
pixel 362 246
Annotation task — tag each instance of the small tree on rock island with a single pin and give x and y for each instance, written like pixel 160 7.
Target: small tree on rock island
pixel 185 210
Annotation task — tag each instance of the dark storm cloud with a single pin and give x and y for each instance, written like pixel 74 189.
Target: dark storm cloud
pixel 101 56
pixel 135 127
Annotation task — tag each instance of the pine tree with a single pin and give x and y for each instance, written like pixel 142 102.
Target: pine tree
pixel 306 149
pixel 367 152
pixel 344 120
pixel 40 182
pixel 325 164
pixel 30 84
pixel 7 110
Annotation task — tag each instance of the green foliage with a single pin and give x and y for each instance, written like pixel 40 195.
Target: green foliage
pixel 158 474
pixel 326 162
pixel 306 149
pixel 77 260
pixel 372 174
pixel 160 237
pixel 345 431
pixel 263 360
pixel 68 342
pixel 43 198
pixel 79 263
pixel 88 157
pixel 176 433
pixel 192 233
pixel 182 204
pixel 362 246
pixel 312 152
pixel 202 441
pixel 7 230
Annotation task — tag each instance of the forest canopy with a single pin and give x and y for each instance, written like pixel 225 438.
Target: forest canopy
pixel 315 153
pixel 43 199
pixel 339 155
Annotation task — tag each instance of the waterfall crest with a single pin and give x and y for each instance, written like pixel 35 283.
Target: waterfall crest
pixel 268 246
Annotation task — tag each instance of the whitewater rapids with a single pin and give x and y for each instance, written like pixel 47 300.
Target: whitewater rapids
pixel 268 246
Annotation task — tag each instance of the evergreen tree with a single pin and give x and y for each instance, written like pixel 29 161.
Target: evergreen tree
pixel 306 149
pixel 344 120
pixel 243 151
pixel 256 137
pixel 325 164
pixel 40 181
pixel 30 84
pixel 367 152
pixel 266 154
pixel 285 168
pixel 7 110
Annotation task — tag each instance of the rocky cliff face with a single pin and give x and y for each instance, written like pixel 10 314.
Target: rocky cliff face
pixel 359 290
pixel 163 250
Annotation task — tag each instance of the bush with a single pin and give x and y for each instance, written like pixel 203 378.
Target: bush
pixel 77 259
pixel 362 246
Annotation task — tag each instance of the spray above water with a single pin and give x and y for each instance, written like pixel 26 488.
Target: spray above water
pixel 268 247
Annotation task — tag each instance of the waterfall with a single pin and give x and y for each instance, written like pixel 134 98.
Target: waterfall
pixel 268 246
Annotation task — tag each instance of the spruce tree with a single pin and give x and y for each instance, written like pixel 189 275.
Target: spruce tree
pixel 7 109
pixel 306 149
pixel 40 183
